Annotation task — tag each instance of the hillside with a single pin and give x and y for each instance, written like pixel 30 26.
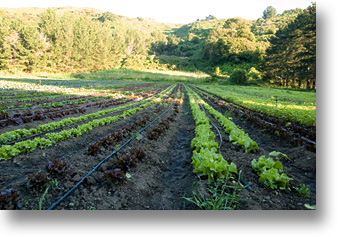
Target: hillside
pixel 35 11
pixel 37 32
pixel 70 39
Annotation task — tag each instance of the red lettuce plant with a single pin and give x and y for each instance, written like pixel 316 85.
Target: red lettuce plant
pixel 10 199
pixel 116 175
pixel 56 167
pixel 38 181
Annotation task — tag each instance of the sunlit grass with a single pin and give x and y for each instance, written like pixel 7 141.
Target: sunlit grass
pixel 296 107
pixel 144 75
pixel 67 87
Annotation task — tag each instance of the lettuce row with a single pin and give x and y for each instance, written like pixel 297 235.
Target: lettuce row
pixel 204 138
pixel 19 133
pixel 211 164
pixel 269 172
pixel 10 151
pixel 205 159
pixel 236 135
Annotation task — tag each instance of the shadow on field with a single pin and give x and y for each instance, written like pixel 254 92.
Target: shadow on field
pixel 137 75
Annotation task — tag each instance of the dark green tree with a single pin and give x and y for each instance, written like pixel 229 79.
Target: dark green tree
pixel 269 12
pixel 239 76
pixel 291 58
pixel 233 43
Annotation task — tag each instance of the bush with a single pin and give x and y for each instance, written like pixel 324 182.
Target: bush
pixel 254 74
pixel 239 76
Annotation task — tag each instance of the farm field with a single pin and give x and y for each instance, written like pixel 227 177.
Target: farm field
pixel 94 145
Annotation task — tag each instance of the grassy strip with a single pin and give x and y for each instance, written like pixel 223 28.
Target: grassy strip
pixel 295 107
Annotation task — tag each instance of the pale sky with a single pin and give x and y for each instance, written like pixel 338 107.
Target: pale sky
pixel 172 11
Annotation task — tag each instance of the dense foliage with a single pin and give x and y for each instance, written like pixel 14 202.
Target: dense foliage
pixel 65 40
pixel 291 57
pixel 278 48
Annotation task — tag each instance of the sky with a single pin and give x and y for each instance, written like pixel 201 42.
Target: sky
pixel 172 11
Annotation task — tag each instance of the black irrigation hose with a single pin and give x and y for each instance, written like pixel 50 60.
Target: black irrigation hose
pixel 245 184
pixel 36 107
pixel 103 161
pixel 71 124
pixel 241 109
pixel 219 134
pixel 221 140
pixel 69 155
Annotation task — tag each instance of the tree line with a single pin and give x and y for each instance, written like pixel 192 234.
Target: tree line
pixel 291 58
pixel 279 49
pixel 69 42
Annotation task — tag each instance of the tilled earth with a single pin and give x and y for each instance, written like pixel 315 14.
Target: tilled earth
pixel 165 177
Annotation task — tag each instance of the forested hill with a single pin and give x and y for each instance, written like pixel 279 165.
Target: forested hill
pixel 276 48
pixel 70 39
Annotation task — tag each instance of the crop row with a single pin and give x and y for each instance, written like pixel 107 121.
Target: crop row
pixel 303 114
pixel 23 86
pixel 116 136
pixel 296 134
pixel 19 133
pixel 236 135
pixel 10 198
pixel 51 103
pixel 308 132
pixel 72 100
pixel 66 87
pixel 206 159
pixel 32 99
pixel 10 151
pixel 164 124
pixel 270 172
pixel 128 160
pixel 125 131
pixel 29 116
pixel 46 98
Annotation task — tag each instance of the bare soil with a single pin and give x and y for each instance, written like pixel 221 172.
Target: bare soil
pixel 164 177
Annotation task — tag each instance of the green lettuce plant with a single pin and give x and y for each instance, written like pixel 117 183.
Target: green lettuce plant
pixel 269 172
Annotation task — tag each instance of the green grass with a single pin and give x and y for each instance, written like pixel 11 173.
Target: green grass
pixel 294 106
pixel 150 76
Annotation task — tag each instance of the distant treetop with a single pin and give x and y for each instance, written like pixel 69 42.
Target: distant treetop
pixel 210 17
pixel 269 12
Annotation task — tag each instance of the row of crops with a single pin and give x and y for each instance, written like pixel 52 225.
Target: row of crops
pixel 294 106
pixel 206 159
pixel 53 157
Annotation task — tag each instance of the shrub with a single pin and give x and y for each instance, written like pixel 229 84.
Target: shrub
pixel 254 74
pixel 239 76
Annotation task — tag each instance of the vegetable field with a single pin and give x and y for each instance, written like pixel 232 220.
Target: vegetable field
pixel 104 144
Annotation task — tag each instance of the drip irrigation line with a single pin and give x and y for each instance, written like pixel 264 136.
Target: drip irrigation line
pixel 42 107
pixel 219 134
pixel 244 183
pixel 309 141
pixel 70 155
pixel 71 124
pixel 221 140
pixel 38 107
pixel 103 161
pixel 239 108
